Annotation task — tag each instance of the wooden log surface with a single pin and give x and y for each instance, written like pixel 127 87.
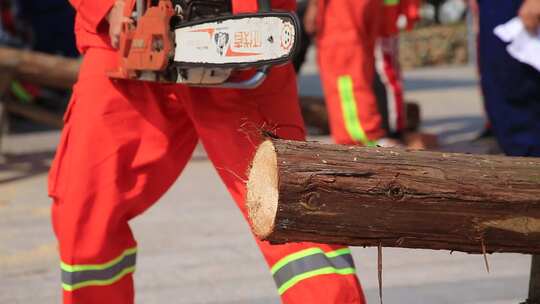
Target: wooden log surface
pixel 39 68
pixel 305 191
pixel 35 113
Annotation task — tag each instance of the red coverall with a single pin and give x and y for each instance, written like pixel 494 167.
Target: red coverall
pixel 346 37
pixel 125 143
pixel 387 58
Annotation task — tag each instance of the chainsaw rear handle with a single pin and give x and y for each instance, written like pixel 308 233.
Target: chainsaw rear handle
pixel 252 83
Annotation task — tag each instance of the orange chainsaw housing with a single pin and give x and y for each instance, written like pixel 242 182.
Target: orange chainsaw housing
pixel 148 45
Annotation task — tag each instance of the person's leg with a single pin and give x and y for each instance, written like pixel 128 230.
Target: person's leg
pixel 231 124
pixel 345 43
pixel 381 95
pixel 123 145
pixel 388 67
pixel 305 40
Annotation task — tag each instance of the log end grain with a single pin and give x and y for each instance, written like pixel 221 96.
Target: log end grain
pixel 262 190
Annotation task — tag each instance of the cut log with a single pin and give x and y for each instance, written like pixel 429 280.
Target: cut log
pixel 39 68
pixel 305 191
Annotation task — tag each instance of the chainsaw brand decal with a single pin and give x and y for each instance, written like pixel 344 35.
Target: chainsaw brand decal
pixel 287 36
pixel 241 40
pixel 222 40
pixel 247 40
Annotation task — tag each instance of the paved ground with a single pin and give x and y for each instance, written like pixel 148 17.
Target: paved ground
pixel 195 248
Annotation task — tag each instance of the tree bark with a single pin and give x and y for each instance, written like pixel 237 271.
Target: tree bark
pixel 38 68
pixel 305 191
pixel 35 113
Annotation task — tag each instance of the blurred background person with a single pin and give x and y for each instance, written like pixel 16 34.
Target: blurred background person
pixel 390 96
pixel 12 31
pixel 346 32
pixel 45 26
pixel 51 22
pixel 358 56
pixel 511 89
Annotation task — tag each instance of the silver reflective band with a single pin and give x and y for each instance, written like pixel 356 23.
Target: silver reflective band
pixel 311 263
pixel 79 276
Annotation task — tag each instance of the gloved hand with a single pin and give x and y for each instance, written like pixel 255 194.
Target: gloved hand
pixel 116 19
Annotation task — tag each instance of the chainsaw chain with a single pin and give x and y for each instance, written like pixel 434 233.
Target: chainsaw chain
pixel 189 10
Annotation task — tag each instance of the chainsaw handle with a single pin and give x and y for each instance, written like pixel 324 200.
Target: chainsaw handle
pixel 252 83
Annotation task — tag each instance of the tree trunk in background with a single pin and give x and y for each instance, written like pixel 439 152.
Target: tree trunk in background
pixel 39 68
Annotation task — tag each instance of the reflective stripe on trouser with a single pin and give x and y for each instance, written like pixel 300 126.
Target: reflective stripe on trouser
pixel 350 111
pixel 309 263
pixel 79 276
pixel 389 70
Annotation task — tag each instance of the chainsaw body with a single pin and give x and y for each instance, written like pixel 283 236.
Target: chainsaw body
pixel 202 43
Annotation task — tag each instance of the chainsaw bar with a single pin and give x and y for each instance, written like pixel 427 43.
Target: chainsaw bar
pixel 237 41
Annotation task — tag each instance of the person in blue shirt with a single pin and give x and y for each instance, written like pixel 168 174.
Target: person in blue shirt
pixel 511 88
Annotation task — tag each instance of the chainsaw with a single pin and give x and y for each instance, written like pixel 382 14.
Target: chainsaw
pixel 203 42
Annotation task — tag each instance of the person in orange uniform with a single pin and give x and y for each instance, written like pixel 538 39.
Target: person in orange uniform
pixel 346 34
pixel 124 144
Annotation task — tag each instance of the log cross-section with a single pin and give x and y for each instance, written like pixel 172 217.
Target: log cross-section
pixel 305 191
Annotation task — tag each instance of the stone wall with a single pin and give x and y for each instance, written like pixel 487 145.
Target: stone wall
pixel 434 45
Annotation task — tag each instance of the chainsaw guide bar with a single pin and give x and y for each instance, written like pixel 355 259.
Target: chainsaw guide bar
pixel 238 41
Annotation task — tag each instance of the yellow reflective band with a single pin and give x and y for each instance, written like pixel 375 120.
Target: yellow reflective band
pixel 111 281
pixel 307 275
pixel 307 252
pixel 20 92
pixel 333 254
pixel 74 268
pixel 391 2
pixel 350 112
